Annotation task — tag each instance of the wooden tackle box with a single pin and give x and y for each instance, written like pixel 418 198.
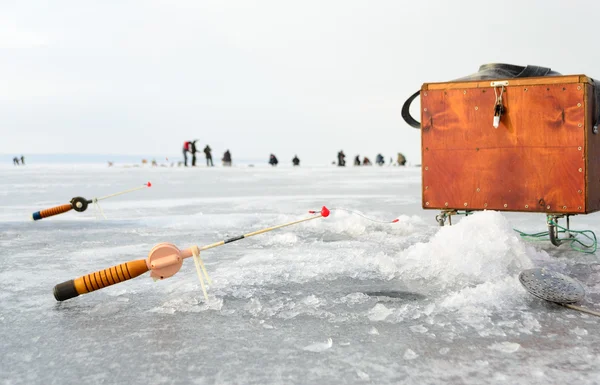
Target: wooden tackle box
pixel 544 156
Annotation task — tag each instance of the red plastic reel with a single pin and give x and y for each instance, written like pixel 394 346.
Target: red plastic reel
pixel 164 260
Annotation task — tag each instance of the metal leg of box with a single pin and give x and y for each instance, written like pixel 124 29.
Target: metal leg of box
pixel 443 216
pixel 446 215
pixel 553 230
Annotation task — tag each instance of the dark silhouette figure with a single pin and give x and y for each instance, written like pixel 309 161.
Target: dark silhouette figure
pixel 186 149
pixel 341 159
pixel 296 161
pixel 379 160
pixel 16 161
pixel 273 160
pixel 193 150
pixel 22 160
pixel 367 162
pixel 401 159
pixel 357 160
pixel 226 159
pixel 207 153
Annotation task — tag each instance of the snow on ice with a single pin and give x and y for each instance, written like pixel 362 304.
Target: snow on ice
pixel 409 302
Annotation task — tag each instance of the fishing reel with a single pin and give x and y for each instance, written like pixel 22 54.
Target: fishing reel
pixel 80 204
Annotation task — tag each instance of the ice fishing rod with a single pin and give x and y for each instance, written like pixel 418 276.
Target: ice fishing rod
pixel 80 204
pixel 164 261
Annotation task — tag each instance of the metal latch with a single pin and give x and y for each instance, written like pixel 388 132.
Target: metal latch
pixel 498 106
pixel 499 83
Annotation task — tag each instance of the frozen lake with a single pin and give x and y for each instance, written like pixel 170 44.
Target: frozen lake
pixel 403 303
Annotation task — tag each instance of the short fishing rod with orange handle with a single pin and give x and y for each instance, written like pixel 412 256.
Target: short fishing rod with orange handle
pixel 80 204
pixel 164 261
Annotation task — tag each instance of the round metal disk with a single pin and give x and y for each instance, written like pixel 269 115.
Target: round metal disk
pixel 551 286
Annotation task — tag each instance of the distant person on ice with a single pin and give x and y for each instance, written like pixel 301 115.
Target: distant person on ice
pixel 401 159
pixel 22 160
pixel 227 159
pixel 357 160
pixel 16 161
pixel 367 162
pixel 193 150
pixel 296 161
pixel 207 153
pixel 341 159
pixel 273 160
pixel 379 160
pixel 186 149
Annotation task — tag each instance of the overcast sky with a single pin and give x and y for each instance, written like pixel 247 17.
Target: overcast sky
pixel 305 77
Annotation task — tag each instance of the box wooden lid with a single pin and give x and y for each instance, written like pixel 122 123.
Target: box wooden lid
pixel 511 82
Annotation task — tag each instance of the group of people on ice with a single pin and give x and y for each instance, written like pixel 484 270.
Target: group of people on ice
pixel 379 160
pixel 19 161
pixel 273 161
pixel 191 148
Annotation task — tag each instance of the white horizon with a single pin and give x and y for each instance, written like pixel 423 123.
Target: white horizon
pixel 272 77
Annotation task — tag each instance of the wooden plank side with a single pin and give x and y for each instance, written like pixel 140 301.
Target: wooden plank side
pixel 592 155
pixel 557 108
pixel 432 104
pixel 533 160
pixel 512 82
pixel 523 179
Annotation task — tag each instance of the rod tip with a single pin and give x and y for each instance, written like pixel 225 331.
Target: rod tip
pixel 395 220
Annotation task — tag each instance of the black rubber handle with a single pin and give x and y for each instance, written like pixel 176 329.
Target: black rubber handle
pixel 65 290
pixel 406 112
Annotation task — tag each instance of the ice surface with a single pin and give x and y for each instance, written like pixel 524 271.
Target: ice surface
pixel 408 303
pixel 505 347
pixel 410 354
pixel 379 312
pixel 319 346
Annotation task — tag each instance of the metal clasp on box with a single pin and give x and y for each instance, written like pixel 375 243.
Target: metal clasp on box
pixel 498 106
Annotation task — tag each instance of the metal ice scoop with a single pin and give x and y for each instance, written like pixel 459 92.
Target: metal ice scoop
pixel 554 287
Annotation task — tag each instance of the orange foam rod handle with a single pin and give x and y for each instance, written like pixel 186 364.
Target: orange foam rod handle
pixel 52 211
pixel 100 279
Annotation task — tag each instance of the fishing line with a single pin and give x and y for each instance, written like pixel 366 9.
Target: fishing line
pixel 355 212
pixel 200 270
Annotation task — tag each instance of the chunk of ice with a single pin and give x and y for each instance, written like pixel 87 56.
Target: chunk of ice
pixel 319 346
